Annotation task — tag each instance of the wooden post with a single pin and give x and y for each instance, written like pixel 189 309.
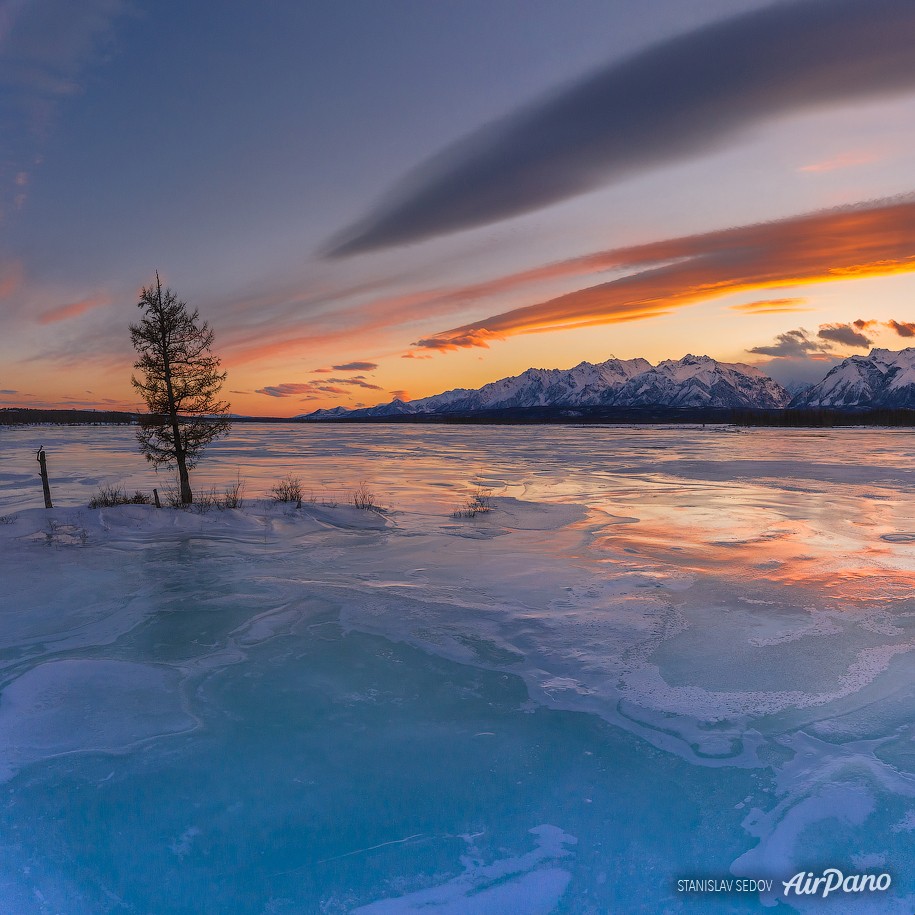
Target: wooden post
pixel 158 504
pixel 43 470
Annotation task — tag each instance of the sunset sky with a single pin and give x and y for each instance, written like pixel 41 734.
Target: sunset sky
pixel 375 199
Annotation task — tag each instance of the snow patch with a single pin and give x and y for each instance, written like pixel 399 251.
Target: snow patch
pixel 512 884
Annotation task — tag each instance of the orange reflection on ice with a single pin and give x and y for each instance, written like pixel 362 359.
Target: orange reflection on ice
pixel 830 547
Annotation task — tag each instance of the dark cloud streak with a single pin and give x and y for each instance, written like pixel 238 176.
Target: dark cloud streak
pixel 325 386
pixel 844 334
pixel 356 367
pixel 678 98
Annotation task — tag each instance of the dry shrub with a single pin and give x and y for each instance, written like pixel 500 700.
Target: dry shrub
pixel 289 489
pixel 172 494
pixel 107 496
pixel 362 497
pixel 479 502
pixel 233 495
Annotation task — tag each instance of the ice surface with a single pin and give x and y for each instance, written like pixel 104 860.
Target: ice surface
pixel 690 650
pixel 83 705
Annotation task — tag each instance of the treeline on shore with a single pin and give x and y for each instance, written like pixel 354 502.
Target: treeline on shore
pixel 28 416
pixel 810 418
pixel 796 418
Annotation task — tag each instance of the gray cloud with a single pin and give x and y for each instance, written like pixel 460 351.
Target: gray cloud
pixel 678 98
pixel 801 344
pixel 347 367
pixel 794 344
pixel 285 390
pixel 314 388
pixel 800 358
pixel 356 367
pixel 845 334
pixel 358 381
pixel 903 328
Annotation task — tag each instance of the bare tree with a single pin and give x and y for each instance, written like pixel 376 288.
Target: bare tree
pixel 180 383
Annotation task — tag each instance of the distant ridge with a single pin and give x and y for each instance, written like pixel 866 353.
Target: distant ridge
pixel 693 382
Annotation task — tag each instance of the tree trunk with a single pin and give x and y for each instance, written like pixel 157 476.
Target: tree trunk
pixel 187 497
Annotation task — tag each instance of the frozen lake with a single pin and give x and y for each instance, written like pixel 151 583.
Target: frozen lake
pixel 668 654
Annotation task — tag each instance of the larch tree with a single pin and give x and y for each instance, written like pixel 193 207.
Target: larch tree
pixel 180 380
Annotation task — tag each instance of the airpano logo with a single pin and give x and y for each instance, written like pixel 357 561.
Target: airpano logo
pixel 833 880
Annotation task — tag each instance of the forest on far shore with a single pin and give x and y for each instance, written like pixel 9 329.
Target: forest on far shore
pixel 798 418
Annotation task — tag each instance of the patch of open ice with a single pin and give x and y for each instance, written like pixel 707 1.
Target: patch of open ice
pixel 74 706
pixel 646 685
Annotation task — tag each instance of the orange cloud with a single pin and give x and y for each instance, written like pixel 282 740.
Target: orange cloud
pixel 473 337
pixel 771 307
pixel 661 276
pixel 73 309
pixel 875 239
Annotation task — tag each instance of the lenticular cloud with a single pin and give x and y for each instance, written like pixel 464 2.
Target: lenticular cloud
pixel 675 99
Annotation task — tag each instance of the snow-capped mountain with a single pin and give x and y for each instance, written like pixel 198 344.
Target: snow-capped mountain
pixel 584 385
pixel 693 381
pixel 699 381
pixel 883 378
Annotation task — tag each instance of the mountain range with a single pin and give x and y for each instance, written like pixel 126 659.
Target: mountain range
pixel 881 379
